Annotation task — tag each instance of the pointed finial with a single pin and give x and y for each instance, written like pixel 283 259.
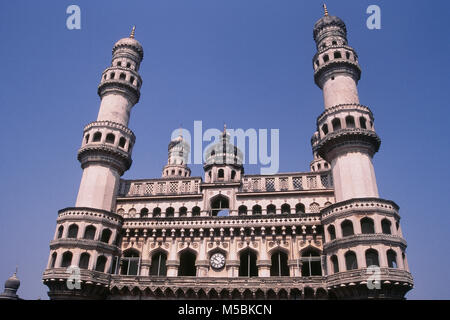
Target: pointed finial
pixel 325 9
pixel 17 268
pixel 224 127
pixel 132 32
pixel 181 131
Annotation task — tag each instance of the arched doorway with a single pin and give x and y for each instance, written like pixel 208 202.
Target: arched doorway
pixel 311 264
pixel 247 265
pixel 187 264
pixel 218 204
pixel 158 266
pixel 279 265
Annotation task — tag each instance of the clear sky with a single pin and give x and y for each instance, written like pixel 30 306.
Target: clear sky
pixel 246 63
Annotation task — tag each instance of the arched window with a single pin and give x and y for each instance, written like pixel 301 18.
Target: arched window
pixel 372 258
pixel 130 263
pixel 131 80
pixel 337 55
pixel 350 261
pixel 87 138
pixel 97 137
pixel 106 235
pixel 391 258
pixel 66 259
pixel 187 264
pixel 73 231
pixel 362 122
pixel 311 265
pixel 122 142
pixel 279 265
pixel 350 122
pixel 101 263
pixel 334 43
pixel 112 75
pixel 325 129
pixel 233 174
pixel 299 208
pixel 386 226
pixel 285 208
pixel 84 260
pixel 122 76
pixel 367 226
pixel 157 212
pixel 336 124
pixel 89 233
pixel 335 263
pixel 218 204
pixel 183 212
pixel 60 232
pixel 158 267
pixel 53 260
pixel 247 264
pixel 332 232
pixel 170 212
pixel 347 228
pixel 242 210
pixel 110 138
pixel 196 211
pixel 325 58
pixel 256 210
pixel 220 174
pixel 144 212
pixel 271 209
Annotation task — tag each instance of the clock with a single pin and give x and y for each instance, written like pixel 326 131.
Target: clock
pixel 217 260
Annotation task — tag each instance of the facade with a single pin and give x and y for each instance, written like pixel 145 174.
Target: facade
pixel 228 235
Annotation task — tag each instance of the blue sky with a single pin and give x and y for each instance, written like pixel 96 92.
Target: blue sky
pixel 246 63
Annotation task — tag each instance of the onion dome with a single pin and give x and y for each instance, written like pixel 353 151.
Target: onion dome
pixel 328 21
pixel 12 283
pixel 130 42
pixel 224 152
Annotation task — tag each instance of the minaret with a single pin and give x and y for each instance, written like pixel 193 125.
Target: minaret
pixel 176 166
pixel 345 134
pixel 362 231
pixel 105 153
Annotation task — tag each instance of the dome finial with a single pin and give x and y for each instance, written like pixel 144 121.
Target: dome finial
pixel 325 10
pixel 132 32
pixel 181 131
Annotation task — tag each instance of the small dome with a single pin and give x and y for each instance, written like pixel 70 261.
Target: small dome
pixel 224 152
pixel 326 21
pixel 129 42
pixel 12 283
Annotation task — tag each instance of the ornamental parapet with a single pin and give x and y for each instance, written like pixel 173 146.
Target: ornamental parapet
pixel 83 214
pixel 84 244
pixel 129 85
pixel 206 284
pixel 388 276
pixel 362 138
pixel 86 276
pixel 225 222
pixel 336 66
pixel 358 206
pixel 365 239
pixel 106 154
pixel 344 107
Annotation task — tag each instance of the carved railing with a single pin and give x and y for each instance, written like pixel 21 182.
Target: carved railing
pixel 159 187
pixel 287 182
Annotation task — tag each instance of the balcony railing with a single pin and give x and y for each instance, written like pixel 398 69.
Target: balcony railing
pixel 288 182
pixel 159 187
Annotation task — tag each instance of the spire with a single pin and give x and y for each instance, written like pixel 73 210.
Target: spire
pixel 132 32
pixel 325 10
pixel 224 128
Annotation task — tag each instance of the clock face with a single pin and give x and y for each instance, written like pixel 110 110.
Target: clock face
pixel 217 260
